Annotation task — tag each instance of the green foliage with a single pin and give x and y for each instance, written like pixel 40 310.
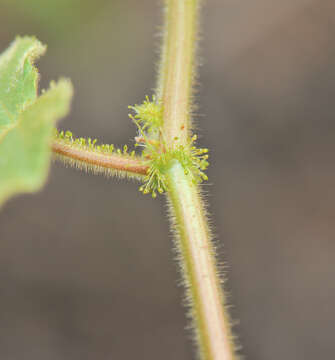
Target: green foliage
pixel 26 120
pixel 170 160
pixel 56 18
pixel 148 118
pixel 26 123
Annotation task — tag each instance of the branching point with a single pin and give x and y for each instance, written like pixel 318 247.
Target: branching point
pixel 159 157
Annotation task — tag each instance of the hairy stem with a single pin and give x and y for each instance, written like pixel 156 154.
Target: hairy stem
pixel 177 69
pixel 204 291
pixel 96 161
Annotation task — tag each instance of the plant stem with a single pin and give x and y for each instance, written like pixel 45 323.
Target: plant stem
pixel 108 163
pixel 197 260
pixel 204 292
pixel 177 69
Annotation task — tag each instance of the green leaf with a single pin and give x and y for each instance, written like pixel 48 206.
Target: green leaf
pixel 26 120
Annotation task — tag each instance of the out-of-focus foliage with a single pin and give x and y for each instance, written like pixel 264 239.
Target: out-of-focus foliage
pixel 56 17
pixel 26 120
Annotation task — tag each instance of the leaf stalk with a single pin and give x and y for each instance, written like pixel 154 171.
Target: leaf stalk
pixel 99 162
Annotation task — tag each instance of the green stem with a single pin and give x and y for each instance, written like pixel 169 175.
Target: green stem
pixel 197 259
pixel 201 279
pixel 177 69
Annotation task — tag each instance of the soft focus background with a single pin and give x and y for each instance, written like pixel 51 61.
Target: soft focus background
pixel 86 266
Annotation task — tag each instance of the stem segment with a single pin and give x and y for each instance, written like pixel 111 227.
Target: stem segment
pixel 204 291
pixel 111 164
pixel 177 69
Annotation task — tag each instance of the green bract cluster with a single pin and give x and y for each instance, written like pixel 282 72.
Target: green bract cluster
pixel 148 116
pixel 149 119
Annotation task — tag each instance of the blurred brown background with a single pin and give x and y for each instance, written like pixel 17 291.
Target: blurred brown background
pixel 86 266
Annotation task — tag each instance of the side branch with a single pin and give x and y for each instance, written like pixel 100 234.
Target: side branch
pixel 91 159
